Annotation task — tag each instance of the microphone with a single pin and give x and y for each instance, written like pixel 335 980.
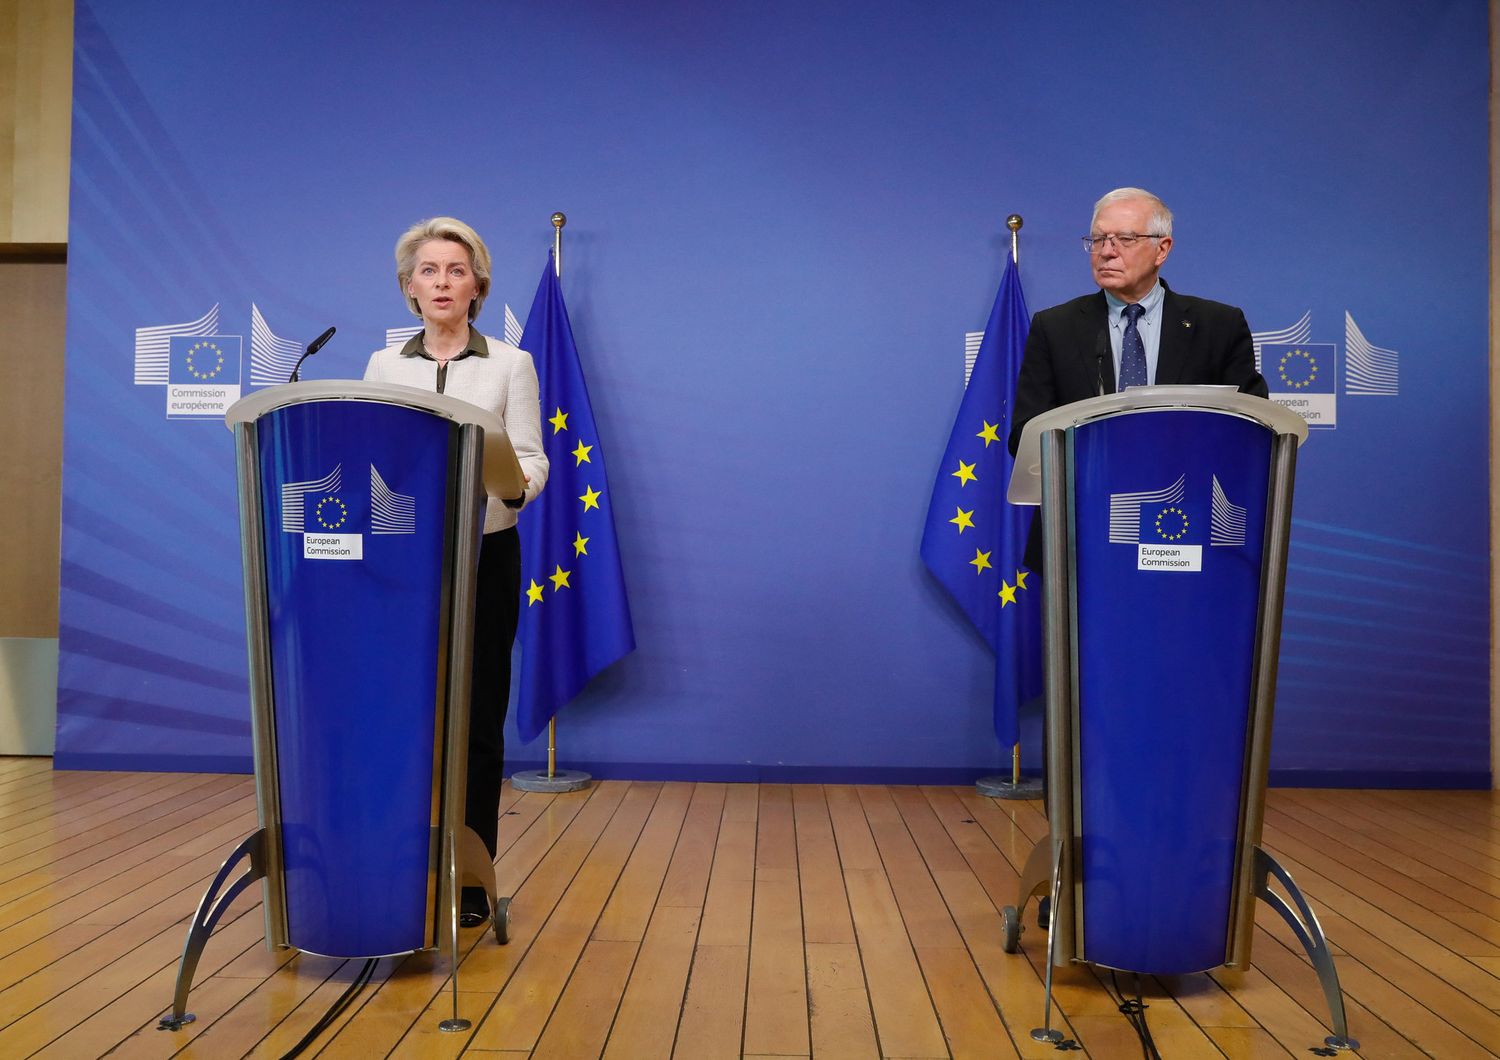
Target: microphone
pixel 312 348
pixel 1101 350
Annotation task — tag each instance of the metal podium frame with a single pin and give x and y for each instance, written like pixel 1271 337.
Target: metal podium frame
pixel 482 461
pixel 1043 474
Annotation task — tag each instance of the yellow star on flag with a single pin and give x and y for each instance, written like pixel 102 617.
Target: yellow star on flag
pixel 533 594
pixel 980 562
pixel 582 453
pixel 1007 594
pixel 1021 576
pixel 965 474
pixel 988 434
pixel 559 421
pixel 964 520
pixel 580 544
pixel 590 498
pixel 559 578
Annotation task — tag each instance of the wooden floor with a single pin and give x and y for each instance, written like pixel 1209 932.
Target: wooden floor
pixel 706 920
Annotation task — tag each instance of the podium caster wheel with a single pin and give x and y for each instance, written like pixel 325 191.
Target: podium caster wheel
pixel 502 920
pixel 1044 913
pixel 1010 926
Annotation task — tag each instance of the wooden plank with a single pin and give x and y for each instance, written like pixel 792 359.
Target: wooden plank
pixel 713 1013
pixel 580 1025
pixel 1247 1043
pixel 629 910
pixel 686 881
pixel 843 1027
pixel 971 1024
pixel 825 906
pixel 905 1021
pixel 776 1002
pixel 727 905
pixel 922 910
pixel 646 1024
pixel 520 1014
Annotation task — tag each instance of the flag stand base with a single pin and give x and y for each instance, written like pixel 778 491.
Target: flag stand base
pixel 1000 787
pixel 558 780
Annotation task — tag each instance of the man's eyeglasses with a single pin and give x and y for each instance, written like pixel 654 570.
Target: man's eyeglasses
pixel 1121 240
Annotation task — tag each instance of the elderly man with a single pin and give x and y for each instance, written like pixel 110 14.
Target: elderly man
pixel 1133 331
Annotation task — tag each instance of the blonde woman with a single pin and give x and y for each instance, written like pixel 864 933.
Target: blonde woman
pixel 443 268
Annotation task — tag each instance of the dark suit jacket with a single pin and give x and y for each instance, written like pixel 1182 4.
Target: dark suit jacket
pixel 1068 358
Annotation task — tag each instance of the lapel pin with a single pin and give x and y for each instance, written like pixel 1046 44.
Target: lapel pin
pixel 1187 323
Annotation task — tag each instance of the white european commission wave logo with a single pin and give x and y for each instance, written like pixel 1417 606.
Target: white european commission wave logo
pixel 1303 375
pixel 272 358
pixel 201 366
pixel 315 509
pixel 390 512
pixel 1157 524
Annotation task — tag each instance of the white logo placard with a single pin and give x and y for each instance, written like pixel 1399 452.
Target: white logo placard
pixel 1169 557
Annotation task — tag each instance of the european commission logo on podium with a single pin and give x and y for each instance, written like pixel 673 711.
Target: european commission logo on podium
pixel 1304 376
pixel 202 369
pixel 317 509
pixel 1157 523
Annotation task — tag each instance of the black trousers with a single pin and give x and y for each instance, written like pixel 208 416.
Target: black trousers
pixel 497 607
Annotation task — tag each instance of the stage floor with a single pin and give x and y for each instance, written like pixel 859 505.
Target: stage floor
pixel 706 920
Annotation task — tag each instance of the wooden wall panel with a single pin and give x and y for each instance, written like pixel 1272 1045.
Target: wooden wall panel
pixel 32 298
pixel 36 84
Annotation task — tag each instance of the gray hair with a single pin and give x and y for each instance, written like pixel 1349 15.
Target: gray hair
pixel 455 231
pixel 1161 217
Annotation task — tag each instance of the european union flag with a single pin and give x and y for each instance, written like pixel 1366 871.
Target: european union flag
pixel 575 619
pixel 974 539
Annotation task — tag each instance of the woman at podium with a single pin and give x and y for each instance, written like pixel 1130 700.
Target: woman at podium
pixel 443 268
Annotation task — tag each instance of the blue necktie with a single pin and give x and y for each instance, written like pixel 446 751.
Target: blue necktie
pixel 1132 351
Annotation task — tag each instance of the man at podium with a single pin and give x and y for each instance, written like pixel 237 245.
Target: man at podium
pixel 443 268
pixel 1135 330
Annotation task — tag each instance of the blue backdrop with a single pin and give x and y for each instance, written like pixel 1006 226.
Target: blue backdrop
pixel 783 219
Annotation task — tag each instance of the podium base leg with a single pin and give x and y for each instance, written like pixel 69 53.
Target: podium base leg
pixel 999 787
pixel 210 909
pixel 561 780
pixel 1310 933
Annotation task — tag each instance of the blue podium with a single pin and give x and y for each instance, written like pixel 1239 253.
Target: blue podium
pixel 361 510
pixel 1166 514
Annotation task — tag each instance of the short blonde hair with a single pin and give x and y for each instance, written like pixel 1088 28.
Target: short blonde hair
pixel 455 231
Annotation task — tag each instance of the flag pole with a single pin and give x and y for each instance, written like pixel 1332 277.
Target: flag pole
pixel 996 786
pixel 553 779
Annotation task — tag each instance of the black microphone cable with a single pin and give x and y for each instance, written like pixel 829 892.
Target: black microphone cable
pixel 336 1009
pixel 1135 1011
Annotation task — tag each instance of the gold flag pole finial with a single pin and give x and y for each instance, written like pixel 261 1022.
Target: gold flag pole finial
pixel 1014 223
